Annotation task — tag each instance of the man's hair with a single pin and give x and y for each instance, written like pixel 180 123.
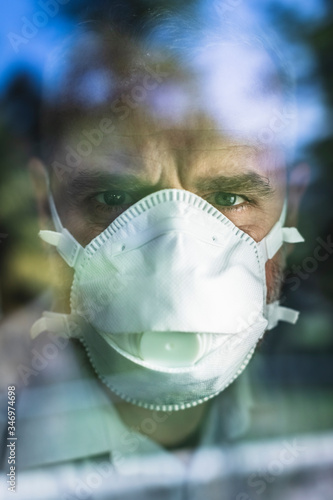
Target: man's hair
pixel 97 64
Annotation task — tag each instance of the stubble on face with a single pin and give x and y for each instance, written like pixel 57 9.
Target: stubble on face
pixel 275 276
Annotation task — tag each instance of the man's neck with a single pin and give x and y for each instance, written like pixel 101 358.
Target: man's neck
pixel 169 429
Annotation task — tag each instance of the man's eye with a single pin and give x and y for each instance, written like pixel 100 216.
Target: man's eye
pixel 114 198
pixel 225 199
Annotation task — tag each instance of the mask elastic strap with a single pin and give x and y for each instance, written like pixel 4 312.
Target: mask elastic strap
pixel 270 245
pixel 55 216
pixel 276 313
pixel 278 235
pixel 60 324
pixel 67 246
pixel 283 215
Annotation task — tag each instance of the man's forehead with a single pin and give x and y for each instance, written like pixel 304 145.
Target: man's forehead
pixel 199 153
pixel 220 97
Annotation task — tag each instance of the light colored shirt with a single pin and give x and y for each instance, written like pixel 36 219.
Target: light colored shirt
pixel 71 443
pixel 71 439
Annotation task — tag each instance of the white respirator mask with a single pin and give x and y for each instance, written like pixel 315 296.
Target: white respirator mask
pixel 170 299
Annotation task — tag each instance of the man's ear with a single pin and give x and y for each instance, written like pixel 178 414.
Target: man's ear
pixel 299 180
pixel 38 175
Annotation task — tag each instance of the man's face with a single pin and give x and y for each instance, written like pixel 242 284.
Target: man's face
pixel 246 182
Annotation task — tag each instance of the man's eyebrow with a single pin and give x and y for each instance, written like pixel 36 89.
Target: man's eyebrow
pixel 90 181
pixel 248 184
pixel 251 184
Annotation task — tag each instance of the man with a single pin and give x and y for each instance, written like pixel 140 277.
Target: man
pixel 162 182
